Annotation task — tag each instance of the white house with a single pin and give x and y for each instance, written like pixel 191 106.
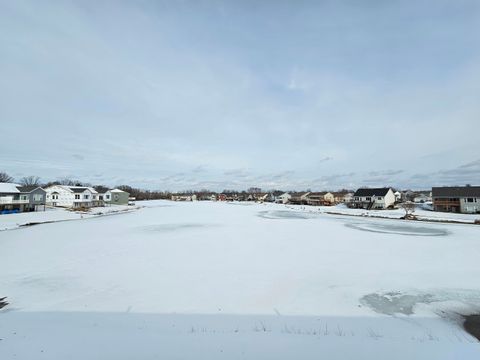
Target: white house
pixel 422 198
pixel 348 197
pixel 72 196
pixel 283 199
pixel 376 198
pixel 398 196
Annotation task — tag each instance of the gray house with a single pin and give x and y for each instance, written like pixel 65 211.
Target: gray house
pixel 15 198
pixel 116 197
pixel 36 197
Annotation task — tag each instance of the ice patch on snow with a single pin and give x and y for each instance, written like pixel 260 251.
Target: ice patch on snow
pixel 396 302
pixel 392 303
pixel 398 229
pixel 285 214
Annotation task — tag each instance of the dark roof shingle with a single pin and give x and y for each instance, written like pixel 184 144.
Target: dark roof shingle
pixel 456 191
pixel 372 192
pixel 78 189
pixel 28 188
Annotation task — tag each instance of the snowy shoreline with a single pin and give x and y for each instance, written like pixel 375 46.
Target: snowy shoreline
pixel 55 215
pixel 395 214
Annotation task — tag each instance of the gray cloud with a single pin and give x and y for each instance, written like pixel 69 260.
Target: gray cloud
pixel 232 100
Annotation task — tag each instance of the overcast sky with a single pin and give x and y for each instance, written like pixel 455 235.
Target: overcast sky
pixel 231 94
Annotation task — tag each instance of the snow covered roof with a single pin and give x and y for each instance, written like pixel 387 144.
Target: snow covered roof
pixel 117 191
pixel 9 188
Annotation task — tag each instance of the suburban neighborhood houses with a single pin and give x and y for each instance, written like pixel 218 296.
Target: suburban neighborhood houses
pixel 16 198
pixel 464 199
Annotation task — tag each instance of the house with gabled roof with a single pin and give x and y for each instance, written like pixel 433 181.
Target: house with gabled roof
pixel 72 196
pixel 373 198
pixel 299 198
pixel 283 198
pixel 117 197
pixel 16 198
pixel 11 199
pixel 36 197
pixel 320 198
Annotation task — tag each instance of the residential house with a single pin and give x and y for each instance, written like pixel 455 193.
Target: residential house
pixel 299 198
pixel 184 197
pixel 422 197
pixel 375 198
pixel 348 197
pixel 283 199
pixel 11 199
pixel 460 199
pixel 342 196
pixel 36 197
pixel 262 197
pixel 398 196
pixel 320 198
pixel 72 196
pixel 116 197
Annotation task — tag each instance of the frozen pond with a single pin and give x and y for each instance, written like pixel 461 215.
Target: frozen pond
pixel 240 263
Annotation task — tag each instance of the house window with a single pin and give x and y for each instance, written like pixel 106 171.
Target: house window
pixel 86 196
pixel 107 197
pixel 368 198
pixel 37 197
pixel 379 198
pixel 77 196
pixel 470 200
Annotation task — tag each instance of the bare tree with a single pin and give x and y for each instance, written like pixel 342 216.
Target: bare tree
pixel 30 181
pixel 101 188
pixel 409 208
pixel 4 177
pixel 70 182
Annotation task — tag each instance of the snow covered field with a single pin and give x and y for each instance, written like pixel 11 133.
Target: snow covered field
pixel 209 280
